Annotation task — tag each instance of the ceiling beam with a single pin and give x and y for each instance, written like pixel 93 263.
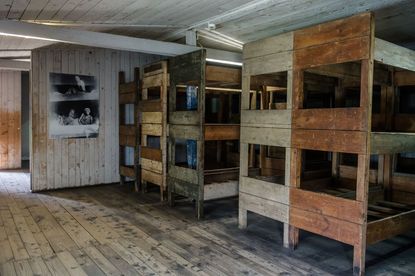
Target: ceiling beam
pixel 9 64
pixel 93 39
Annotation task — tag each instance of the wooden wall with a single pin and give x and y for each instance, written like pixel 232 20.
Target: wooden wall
pixel 60 163
pixel 10 116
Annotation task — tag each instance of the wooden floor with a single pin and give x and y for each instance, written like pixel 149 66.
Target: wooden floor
pixel 109 230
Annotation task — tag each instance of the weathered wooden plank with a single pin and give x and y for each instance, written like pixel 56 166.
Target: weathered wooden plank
pixel 150 106
pixel 185 132
pixel 223 74
pixel 127 140
pixel 266 136
pixel 273 63
pixel 151 177
pixel 388 143
pixel 151 129
pixel 222 132
pixel 127 98
pixel 394 55
pixel 402 78
pixel 151 165
pixel 127 171
pixel 337 30
pixel 268 208
pixel 329 118
pixel 264 190
pixel 333 228
pixel 127 129
pixel 184 174
pixel 389 227
pixel 330 140
pixel 183 188
pixel 220 190
pixel 151 117
pixel 184 118
pixel 128 88
pixel 267 46
pixel 151 154
pixel 327 205
pixel 331 53
pixel 266 118
pixel 403 182
pixel 152 81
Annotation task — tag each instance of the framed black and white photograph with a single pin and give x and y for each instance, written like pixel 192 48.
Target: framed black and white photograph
pixel 73 106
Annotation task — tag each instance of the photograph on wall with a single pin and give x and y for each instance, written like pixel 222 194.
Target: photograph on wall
pixel 73 106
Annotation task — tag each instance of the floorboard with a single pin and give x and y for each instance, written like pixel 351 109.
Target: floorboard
pixel 109 230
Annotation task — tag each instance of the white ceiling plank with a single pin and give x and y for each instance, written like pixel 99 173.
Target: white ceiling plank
pixel 17 9
pixel 7 64
pixel 50 9
pixel 5 6
pixel 33 9
pixel 94 39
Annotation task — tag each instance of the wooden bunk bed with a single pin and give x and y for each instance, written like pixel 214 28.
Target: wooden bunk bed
pixel 203 141
pixel 341 132
pixel 129 128
pixel 358 209
pixel 266 130
pixel 153 110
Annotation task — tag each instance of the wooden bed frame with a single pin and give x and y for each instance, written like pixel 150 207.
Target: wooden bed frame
pixel 365 213
pixel 153 110
pixel 129 134
pixel 200 184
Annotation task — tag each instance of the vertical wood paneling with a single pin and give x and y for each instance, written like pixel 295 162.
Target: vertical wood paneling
pixel 61 163
pixel 10 119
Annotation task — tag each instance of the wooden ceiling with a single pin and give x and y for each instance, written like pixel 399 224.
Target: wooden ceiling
pixel 245 20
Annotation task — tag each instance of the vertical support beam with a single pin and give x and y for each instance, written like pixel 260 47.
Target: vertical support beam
pixel 137 123
pixel 296 154
pixel 362 185
pixel 296 168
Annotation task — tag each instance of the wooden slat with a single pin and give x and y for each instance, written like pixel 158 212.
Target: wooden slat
pixel 184 118
pixel 222 132
pixel 326 226
pixel 184 174
pixel 151 129
pixel 267 46
pixel 264 190
pixel 151 177
pixel 151 153
pixel 327 205
pixel 273 63
pixel 185 132
pixel 151 165
pixel 268 208
pixel 330 140
pixel 128 88
pixel 223 74
pixel 266 136
pixel 337 30
pixel 387 143
pixel 394 55
pixel 266 118
pixel 402 78
pixel 150 106
pixel 151 117
pixel 127 98
pixel 331 53
pixel 220 190
pixel 391 226
pixel 152 81
pixel 329 118
pixel 127 171
pixel 127 140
